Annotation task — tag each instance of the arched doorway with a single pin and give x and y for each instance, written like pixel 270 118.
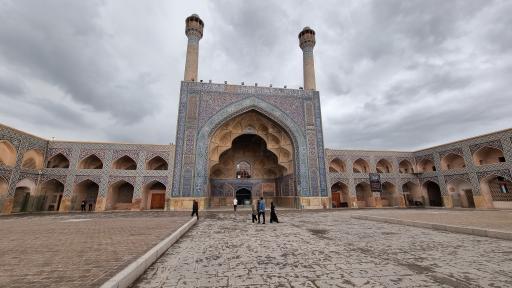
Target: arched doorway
pixel 4 192
pixel 87 191
pixel 388 195
pixel 340 195
pixel 154 195
pixel 412 193
pixel 53 191
pixel 243 196
pixel 497 190
pixel 434 194
pixel 461 193
pixel 252 151
pixel 22 201
pixel 120 196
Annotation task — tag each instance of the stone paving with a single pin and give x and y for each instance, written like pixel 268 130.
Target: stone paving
pixel 487 219
pixel 327 249
pixel 77 250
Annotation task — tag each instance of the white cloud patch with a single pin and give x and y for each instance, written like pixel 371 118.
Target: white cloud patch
pixel 391 74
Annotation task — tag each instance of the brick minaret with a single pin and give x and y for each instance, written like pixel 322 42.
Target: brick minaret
pixel 194 32
pixel 307 43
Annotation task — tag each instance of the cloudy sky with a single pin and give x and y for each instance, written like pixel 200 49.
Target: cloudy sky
pixel 391 74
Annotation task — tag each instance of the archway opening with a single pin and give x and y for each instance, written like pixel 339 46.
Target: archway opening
pixel 7 153
pixel 243 196
pixel 58 161
pixel 53 191
pixel 124 163
pixel 364 195
pixel 337 166
pixel 340 195
pixel 461 193
pixel 360 166
pixel 157 163
pixel 91 162
pixel 388 195
pixel 4 191
pixel 120 196
pixel 154 195
pixel 405 167
pixel 254 152
pixel 32 159
pixel 87 191
pixel 23 193
pixel 488 155
pixel 434 194
pixel 384 166
pixel 498 190
pixel 426 165
pixel 452 161
pixel 412 193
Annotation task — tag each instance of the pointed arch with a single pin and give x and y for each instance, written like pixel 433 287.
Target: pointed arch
pixel 340 195
pixel 413 194
pixel 124 163
pixel 58 161
pixel 384 166
pixel 272 112
pixel 426 165
pixel 461 192
pixel 32 159
pixel 497 189
pixel 87 190
pixel 337 165
pixel 360 166
pixel 452 161
pixel 433 192
pixel 24 192
pixel 405 167
pixel 154 195
pixel 488 155
pixel 364 195
pixel 120 196
pixel 91 162
pixel 7 153
pixel 52 191
pixel 157 163
pixel 389 195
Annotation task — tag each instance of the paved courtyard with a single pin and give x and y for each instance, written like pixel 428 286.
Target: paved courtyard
pixel 77 250
pixel 328 249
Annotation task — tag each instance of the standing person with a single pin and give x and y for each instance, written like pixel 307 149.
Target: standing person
pixel 90 206
pixel 82 206
pixel 235 203
pixel 254 210
pixel 273 215
pixel 195 209
pixel 261 210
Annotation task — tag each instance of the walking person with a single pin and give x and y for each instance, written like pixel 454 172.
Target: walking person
pixel 235 203
pixel 261 210
pixel 195 209
pixel 254 211
pixel 82 206
pixel 273 215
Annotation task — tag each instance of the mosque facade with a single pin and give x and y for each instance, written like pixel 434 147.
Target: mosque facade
pixel 245 142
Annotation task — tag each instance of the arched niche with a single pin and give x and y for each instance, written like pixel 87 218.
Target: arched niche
pixel 340 195
pixel 124 163
pixel 87 191
pixel 433 192
pixel 384 166
pixel 497 190
pixel 452 161
pixel 7 153
pixel 154 195
pixel 157 163
pixel 405 167
pixel 488 155
pixel 24 192
pixel 461 193
pixel 413 194
pixel 337 165
pixel 32 159
pixel 53 191
pixel 91 162
pixel 120 196
pixel 58 161
pixel 389 195
pixel 426 165
pixel 360 166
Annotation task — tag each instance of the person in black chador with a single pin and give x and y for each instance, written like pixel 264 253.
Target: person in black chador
pixel 195 209
pixel 82 206
pixel 273 215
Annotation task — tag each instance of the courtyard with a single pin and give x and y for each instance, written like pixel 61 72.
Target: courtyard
pixel 331 249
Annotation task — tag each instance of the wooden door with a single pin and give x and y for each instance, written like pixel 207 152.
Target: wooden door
pixel 336 199
pixel 157 201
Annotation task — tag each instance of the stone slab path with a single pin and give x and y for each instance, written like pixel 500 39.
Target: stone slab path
pixel 327 249
pixel 77 250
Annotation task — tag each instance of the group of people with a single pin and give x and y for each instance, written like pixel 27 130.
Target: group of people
pixel 84 204
pixel 258 210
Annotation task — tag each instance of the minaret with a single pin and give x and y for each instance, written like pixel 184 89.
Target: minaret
pixel 194 31
pixel 307 43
